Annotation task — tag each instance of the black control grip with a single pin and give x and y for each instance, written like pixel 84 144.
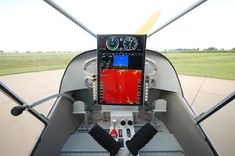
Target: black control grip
pixel 17 110
pixel 105 140
pixel 141 138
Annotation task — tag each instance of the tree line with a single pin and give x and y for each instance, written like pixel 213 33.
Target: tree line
pixel 198 49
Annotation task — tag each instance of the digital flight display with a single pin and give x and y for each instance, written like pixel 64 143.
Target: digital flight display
pixel 121 60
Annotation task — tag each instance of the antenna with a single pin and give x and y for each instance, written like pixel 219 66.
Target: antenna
pixel 178 16
pixel 66 14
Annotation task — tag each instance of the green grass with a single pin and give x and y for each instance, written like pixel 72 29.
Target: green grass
pixel 32 62
pixel 208 64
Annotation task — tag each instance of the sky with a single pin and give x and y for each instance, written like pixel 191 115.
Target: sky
pixel 33 25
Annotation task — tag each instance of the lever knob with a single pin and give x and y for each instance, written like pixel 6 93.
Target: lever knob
pixel 17 110
pixel 114 133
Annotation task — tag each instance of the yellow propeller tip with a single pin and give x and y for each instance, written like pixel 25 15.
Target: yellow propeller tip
pixel 145 28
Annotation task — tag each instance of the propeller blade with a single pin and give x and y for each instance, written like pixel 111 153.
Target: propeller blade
pixel 144 29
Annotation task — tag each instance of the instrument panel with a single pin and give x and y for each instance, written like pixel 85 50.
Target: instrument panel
pixel 120 43
pixel 121 61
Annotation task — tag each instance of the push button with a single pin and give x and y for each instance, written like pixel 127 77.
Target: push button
pixel 129 122
pixel 123 122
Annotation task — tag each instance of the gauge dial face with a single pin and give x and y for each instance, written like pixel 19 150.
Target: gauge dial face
pixel 112 43
pixel 130 43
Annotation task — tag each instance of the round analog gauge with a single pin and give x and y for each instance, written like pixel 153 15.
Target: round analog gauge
pixel 130 43
pixel 112 43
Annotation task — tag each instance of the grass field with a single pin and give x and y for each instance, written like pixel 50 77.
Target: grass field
pixel 216 65
pixel 213 64
pixel 31 62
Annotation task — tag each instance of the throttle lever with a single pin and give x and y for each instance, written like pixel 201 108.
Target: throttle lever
pixel 17 110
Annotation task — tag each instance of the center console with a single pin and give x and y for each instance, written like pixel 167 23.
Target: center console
pixel 122 126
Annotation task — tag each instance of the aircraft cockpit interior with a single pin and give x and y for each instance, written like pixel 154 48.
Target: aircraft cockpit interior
pixel 120 99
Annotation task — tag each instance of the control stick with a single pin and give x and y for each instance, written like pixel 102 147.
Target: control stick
pixel 105 140
pixel 141 138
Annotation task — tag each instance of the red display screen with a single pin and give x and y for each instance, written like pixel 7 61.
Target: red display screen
pixel 120 86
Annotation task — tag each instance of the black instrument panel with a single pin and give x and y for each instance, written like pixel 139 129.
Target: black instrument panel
pixel 121 60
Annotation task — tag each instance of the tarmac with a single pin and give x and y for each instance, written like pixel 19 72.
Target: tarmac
pixel 18 134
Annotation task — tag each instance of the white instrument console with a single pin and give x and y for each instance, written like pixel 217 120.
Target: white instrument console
pixel 122 126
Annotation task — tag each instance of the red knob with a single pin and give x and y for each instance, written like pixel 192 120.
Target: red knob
pixel 114 133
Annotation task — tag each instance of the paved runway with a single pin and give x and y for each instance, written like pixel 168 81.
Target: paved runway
pixel 17 134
